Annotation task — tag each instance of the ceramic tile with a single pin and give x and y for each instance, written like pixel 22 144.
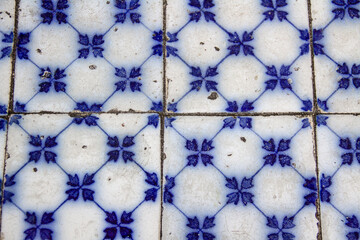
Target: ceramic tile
pixel 337 68
pixel 3 126
pixel 239 178
pixel 92 177
pixel 339 158
pixel 7 16
pixel 89 56
pixel 238 56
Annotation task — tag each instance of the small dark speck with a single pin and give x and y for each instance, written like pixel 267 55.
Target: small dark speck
pixel 35 169
pixel 145 148
pixel 92 67
pixel 84 147
pixel 38 50
pixel 217 49
pixel 202 43
pixel 109 179
pixel 108 2
pixel 230 154
pixel 115 29
pixel 243 139
pixel 213 96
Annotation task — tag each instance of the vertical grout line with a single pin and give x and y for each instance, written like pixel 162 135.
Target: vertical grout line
pixel 162 116
pixel 13 59
pixel 314 120
pixel 10 104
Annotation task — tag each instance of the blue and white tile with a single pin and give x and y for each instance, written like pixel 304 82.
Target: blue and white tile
pixel 90 177
pixel 238 56
pixel 7 16
pixel 336 46
pixel 339 164
pixel 89 56
pixel 239 178
pixel 3 128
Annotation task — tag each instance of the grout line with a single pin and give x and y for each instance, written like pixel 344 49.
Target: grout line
pixel 162 118
pixel 315 113
pixel 10 104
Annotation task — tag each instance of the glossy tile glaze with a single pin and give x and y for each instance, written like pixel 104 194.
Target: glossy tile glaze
pixel 179 119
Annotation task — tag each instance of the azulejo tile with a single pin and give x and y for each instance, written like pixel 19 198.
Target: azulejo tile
pixel 238 56
pixel 336 39
pixel 339 158
pixel 239 178
pixel 7 16
pixel 90 177
pixel 89 56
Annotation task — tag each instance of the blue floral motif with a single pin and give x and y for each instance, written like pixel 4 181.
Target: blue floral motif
pixel 282 77
pixel 48 80
pixel 52 10
pixel 349 75
pixel 122 224
pixel 277 153
pixel 352 222
pixel 286 225
pixel 347 158
pixel 210 85
pixel 203 9
pixel 74 192
pixel 194 224
pixel 152 180
pixel 201 153
pixel 122 149
pixel 240 191
pixel 343 5
pixel 325 183
pixel 312 196
pixel 158 48
pixel 3 110
pixel 8 194
pixel 43 147
pixel 88 120
pixel 270 14
pixel 23 39
pixel 127 8
pixel 238 44
pixel 133 79
pixel 44 232
pixel 6 51
pixel 95 46
pixel 170 184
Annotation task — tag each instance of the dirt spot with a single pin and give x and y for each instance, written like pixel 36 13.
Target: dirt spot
pixel 39 51
pixel 296 69
pixel 115 29
pixel 46 74
pixel 230 154
pixel 202 43
pixel 145 148
pixel 107 2
pixel 294 164
pixel 109 179
pixel 92 67
pixel 123 125
pixel 217 49
pixel 35 169
pixel 213 96
pixel 84 147
pixel 243 139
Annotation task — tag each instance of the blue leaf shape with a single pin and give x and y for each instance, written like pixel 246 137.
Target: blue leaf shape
pixel 153 120
pixel 195 3
pixel 151 194
pixel 47 17
pixel 8 38
pixel 50 156
pixel 134 4
pixel 206 145
pixel 339 2
pixel 120 18
pixel 323 104
pixel 270 159
pixel 246 183
pixel 152 179
pixel 307 105
pixel 195 71
pixel 126 218
pixel 267 3
pixel 157 106
pixel 9 180
pixel 272 222
pixel 284 160
pixel 135 72
pixel 208 223
pixel 113 142
pixel 168 196
pixel 191 145
pixel 210 72
pixel 288 223
pixel 305 123
pixel 88 194
pixel 339 13
pixel 121 4
pixel 113 155
pixel 30 233
pixel 126 232
pixel 34 156
pixel 325 181
pixel 91 120
pixel 271 71
pixel 47 218
pixel 269 145
pixel 61 17
pixel 284 145
pixel 347 158
pixel 97 40
pixel 352 222
pixel 281 15
pixel 209 16
pixel 206 159
pixel 211 85
pixel 193 160
pixel 59 86
pixel 6 52
pixel 84 53
pixel 310 184
pixel 84 39
pixel 111 218
pixel 208 4
pixel 62 4
pixel 271 84
pixel 73 194
pixel 229 122
pixel 233 198
pixel 345 143
pixel 135 17
pixel 248 50
pixel 121 85
pixel 311 199
pixel 208 236
pixel 245 122
pixel 88 179
pixel 196 85
pixel 170 182
pixel 353 236
pixel 135 86
pixel 232 183
pixel 73 181
pixel 35 141
pixel 246 198
pixel 193 223
pixel 127 156
pixel 31 218
pixel 50 142
pixel 97 52
pixel 110 233
pixel 120 72
pixel 287 236
pixel 232 107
